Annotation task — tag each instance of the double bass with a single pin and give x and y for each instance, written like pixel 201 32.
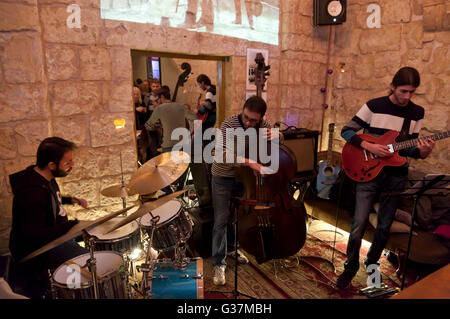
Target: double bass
pixel 273 226
pixel 182 78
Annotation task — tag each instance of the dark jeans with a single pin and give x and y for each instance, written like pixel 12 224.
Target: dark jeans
pixel 224 189
pixel 366 196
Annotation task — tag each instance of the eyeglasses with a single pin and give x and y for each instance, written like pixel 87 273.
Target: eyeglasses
pixel 248 119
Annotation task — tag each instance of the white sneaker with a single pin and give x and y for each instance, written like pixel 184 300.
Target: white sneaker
pixel 241 257
pixel 219 275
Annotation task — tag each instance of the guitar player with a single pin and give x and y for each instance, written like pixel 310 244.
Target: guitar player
pixel 208 106
pixel 376 117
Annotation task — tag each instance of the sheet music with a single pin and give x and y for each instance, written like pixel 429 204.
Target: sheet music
pixel 441 188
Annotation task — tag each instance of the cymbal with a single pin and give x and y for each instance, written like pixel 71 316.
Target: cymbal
pixel 158 172
pixel 74 232
pixel 115 191
pixel 145 209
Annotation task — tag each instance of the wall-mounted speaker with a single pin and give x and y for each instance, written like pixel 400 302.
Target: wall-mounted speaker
pixel 328 12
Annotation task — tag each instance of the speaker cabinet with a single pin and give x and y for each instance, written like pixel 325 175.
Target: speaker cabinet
pixel 303 143
pixel 200 241
pixel 201 175
pixel 329 12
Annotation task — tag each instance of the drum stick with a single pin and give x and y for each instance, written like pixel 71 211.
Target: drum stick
pixel 84 272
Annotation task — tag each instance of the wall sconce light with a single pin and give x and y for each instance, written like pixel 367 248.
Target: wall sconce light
pixel 119 123
pixel 342 67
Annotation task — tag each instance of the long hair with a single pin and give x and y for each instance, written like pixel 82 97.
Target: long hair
pixel 406 76
pixel 203 78
pixel 137 91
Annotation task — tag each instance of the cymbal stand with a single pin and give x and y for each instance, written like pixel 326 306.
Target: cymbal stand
pixel 91 262
pixel 146 267
pixel 124 200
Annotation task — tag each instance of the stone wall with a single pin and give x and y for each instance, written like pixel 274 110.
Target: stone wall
pixel 73 82
pixel 412 33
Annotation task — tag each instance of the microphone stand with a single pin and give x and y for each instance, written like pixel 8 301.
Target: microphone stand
pixel 236 202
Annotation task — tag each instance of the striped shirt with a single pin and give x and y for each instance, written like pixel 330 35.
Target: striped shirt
pixel 226 169
pixel 379 116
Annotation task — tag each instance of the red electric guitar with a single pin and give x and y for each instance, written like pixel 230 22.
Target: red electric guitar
pixel 363 166
pixel 204 116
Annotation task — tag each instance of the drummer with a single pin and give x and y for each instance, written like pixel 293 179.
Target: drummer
pixel 40 217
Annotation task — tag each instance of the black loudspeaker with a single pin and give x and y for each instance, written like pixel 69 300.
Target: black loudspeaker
pixel 200 241
pixel 303 143
pixel 328 12
pixel 201 176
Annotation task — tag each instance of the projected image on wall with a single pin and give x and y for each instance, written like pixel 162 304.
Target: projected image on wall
pixel 253 20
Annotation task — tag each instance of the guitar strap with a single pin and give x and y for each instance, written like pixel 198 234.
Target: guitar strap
pixel 404 132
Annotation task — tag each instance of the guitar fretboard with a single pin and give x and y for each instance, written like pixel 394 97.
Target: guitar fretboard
pixel 411 143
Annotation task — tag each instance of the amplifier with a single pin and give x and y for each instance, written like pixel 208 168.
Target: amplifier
pixel 303 143
pixel 200 241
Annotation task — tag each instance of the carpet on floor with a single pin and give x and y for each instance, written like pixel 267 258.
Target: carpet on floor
pixel 310 274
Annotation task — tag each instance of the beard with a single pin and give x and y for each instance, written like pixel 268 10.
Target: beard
pixel 60 173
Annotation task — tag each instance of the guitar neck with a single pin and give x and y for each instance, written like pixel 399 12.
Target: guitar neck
pixel 330 149
pixel 411 143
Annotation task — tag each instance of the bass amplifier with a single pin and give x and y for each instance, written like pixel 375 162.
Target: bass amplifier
pixel 303 143
pixel 200 242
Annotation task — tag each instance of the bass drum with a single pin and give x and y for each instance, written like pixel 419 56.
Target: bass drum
pixel 68 283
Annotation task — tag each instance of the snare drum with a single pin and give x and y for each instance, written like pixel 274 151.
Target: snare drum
pixel 112 280
pixel 123 240
pixel 173 227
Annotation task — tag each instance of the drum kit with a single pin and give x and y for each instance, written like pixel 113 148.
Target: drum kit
pixel 161 225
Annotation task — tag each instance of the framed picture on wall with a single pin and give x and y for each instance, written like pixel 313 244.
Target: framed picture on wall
pixel 251 67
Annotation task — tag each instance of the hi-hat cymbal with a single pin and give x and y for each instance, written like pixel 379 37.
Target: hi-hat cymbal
pixel 115 191
pixel 145 209
pixel 74 232
pixel 158 172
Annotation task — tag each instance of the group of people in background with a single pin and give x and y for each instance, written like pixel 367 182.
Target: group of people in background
pixel 157 115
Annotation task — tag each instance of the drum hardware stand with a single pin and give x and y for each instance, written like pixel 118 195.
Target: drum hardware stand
pixel 146 267
pixel 180 261
pixel 124 200
pixel 91 262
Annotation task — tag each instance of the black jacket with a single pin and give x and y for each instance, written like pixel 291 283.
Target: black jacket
pixel 35 216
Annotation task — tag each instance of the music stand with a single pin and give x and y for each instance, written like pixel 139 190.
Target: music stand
pixel 236 201
pixel 430 185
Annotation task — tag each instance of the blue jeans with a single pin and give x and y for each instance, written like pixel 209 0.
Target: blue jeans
pixel 366 196
pixel 224 189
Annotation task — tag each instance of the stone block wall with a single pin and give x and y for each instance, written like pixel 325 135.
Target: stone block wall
pixel 73 82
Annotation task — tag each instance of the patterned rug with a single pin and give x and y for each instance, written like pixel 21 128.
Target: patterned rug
pixel 310 274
